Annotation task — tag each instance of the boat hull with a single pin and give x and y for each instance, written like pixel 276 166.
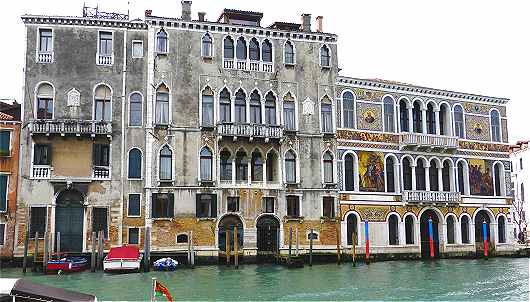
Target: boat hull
pixel 68 265
pixel 121 265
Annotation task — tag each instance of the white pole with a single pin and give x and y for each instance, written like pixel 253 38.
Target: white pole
pixel 153 285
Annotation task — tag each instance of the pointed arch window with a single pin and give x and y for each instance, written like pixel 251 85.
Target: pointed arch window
pixel 290 167
pixel 255 107
pixel 162 105
pixel 393 231
pixel 325 57
pixel 206 164
pixel 348 110
pixel 241 49
pixel 256 173
pixel 240 107
pixel 388 108
pixel 45 96
pixel 272 169
pixel 135 109
pixel 420 176
pixel 349 170
pixel 407 174
pixel 207 107
pixel 409 230
pixel 433 176
pixel 228 48
pixel 328 167
pixel 161 41
pixel 288 53
pixel 431 119
pixel 403 116
pixel 417 118
pixel 289 116
pixel 390 174
pixel 495 126
pixel 464 229
pixel 225 165
pixel 241 166
pixel 207 46
pixel 166 164
pixel 224 106
pixel 270 109
pixel 326 115
pixel 446 176
pixel 450 229
pixel 266 49
pixel 502 229
pixel 135 164
pixel 102 103
pixel 459 121
pixel 254 51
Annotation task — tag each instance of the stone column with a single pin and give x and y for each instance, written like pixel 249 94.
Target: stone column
pixel 423 120
pixel 437 121
pixel 440 180
pixel 413 168
pixel 427 177
pixel 458 233
pixel 411 122
pixel 402 234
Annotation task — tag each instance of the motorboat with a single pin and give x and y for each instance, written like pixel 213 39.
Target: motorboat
pixel 66 264
pixel 24 290
pixel 165 264
pixel 125 258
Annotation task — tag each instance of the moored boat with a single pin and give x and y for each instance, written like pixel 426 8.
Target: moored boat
pixel 165 264
pixel 25 290
pixel 66 264
pixel 122 259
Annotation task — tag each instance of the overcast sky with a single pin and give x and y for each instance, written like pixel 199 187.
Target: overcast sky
pixel 477 47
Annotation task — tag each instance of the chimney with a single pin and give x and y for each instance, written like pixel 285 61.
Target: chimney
pixel 319 23
pixel 306 22
pixel 148 12
pixel 201 16
pixel 186 10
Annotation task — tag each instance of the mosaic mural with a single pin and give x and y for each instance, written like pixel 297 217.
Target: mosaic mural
pixel 504 125
pixel 371 171
pixel 482 146
pixel 371 95
pixel 477 128
pixel 369 117
pixel 367 136
pixel 480 177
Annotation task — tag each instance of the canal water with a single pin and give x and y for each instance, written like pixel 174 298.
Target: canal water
pixel 449 279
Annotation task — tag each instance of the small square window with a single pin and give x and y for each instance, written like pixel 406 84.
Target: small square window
pixel 328 207
pixel 206 205
pixel 268 204
pixel 133 208
pixel 293 206
pixel 100 221
pixel 162 205
pixel 2 233
pixel 5 143
pixel 137 49
pixel 232 204
pixel 37 221
pixel 182 238
pixel 134 236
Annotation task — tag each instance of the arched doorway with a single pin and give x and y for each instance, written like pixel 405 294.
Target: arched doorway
pixel 268 228
pixel 351 227
pixel 424 232
pixel 69 217
pixel 481 217
pixel 228 223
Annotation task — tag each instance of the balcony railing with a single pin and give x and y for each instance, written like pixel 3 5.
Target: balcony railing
pixel 428 141
pixel 248 64
pixel 45 57
pixel 101 172
pixel 250 130
pixel 41 172
pixel 104 59
pixel 431 197
pixel 77 127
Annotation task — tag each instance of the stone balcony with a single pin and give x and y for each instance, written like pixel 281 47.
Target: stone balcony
pixel 428 142
pixel 250 131
pixel 248 65
pixel 431 197
pixel 70 127
pixel 46 172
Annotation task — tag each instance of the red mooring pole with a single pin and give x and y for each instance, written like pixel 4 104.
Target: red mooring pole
pixel 485 236
pixel 431 243
pixel 367 240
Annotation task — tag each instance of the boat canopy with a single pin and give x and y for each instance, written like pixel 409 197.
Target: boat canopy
pixel 124 252
pixel 29 291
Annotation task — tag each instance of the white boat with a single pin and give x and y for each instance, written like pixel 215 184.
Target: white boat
pixel 122 259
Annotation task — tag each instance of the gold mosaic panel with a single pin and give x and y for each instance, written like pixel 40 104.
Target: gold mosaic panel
pixel 477 128
pixel 369 117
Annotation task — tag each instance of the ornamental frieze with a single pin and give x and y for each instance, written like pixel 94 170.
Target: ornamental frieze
pixel 367 136
pixel 462 144
pixel 370 95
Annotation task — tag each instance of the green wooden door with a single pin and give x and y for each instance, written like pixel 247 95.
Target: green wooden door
pixel 69 221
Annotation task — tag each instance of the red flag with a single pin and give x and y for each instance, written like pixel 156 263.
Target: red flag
pixel 161 288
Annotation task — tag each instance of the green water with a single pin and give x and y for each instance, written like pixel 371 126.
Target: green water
pixel 493 279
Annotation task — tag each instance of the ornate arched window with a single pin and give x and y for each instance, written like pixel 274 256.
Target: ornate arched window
pixel 290 167
pixel 272 169
pixel 495 126
pixel 446 176
pixel 255 107
pixel 326 115
pixel 135 109
pixel 464 229
pixel 388 108
pixel 162 105
pixel 161 41
pixel 135 164
pixel 407 174
pixel 241 166
pixel 240 107
pixel 44 105
pixel 224 106
pixel 459 121
pixel 393 230
pixel 206 164
pixel 207 107
pixel 165 165
pixel 348 110
pixel 266 51
pixel 254 51
pixel 288 53
pixel 327 160
pixel 391 174
pixel 256 166
pixel 409 229
pixel 462 175
pixel 207 46
pixel 431 119
pixel 445 120
pixel 102 103
pixel 270 109
pixel 420 176
pixel 417 118
pixel 325 57
pixel 403 116
pixel 228 48
pixel 450 229
pixel 433 176
pixel 289 114
pixel 241 49
pixel 225 165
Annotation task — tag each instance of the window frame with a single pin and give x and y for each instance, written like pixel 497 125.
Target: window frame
pixel 331 113
pixel 8 177
pixel 167 211
pixel 129 235
pixel 141 164
pixel 320 57
pixel 499 126
pixel 107 231
pixel 209 157
pixel 212 46
pixel 237 200
pixel 139 205
pixel 98 46
pixel 109 155
pixel 354 121
pixel 96 99
pixel 168 93
pixel 326 162
pixel 295 111
pixel 385 114
pixel 212 206
pixel 161 51
pixel 298 207
pixel 328 199
pixel 463 126
pixel 38 44
pixel 172 178
pixel 290 42
pixel 10 144
pixel 265 204
pixel 285 160
pixel 38 96
pixel 203 94
pixel 133 42
pixel 32 234
pixel 141 111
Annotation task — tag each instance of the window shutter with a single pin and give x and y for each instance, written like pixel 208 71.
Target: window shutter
pixel 170 205
pixel 214 205
pixel 197 202
pixel 3 193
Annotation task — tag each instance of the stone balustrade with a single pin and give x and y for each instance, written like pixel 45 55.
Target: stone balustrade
pixel 77 127
pixel 250 130
pixel 429 141
pixel 440 197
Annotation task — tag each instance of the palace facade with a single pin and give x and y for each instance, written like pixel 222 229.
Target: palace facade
pixel 194 128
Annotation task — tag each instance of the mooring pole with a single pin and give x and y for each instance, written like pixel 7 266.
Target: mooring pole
pixel 236 252
pixel 290 244
pixel 431 238
pixel 485 236
pixel 192 250
pixel 58 238
pixel 189 249
pixel 36 253
pixel 227 235
pixel 26 243
pixel 152 293
pixel 45 257
pixel 297 242
pixel 337 231
pixel 100 249
pixel 311 248
pixel 353 237
pixel 367 242
pixel 93 254
pixel 147 249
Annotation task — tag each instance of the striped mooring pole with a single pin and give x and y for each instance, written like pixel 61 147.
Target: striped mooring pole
pixel 431 238
pixel 485 236
pixel 367 240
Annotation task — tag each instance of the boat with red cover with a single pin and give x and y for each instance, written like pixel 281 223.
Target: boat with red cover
pixel 66 264
pixel 122 259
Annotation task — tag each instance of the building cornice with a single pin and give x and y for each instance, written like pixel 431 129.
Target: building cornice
pixel 81 21
pixel 406 88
